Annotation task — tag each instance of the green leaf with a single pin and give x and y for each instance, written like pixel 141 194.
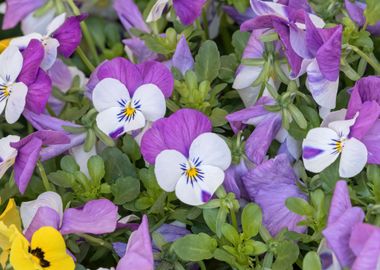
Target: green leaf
pixel 299 206
pixel 125 189
pixel 96 169
pixel 311 261
pixel 218 117
pixel 251 219
pixel 230 233
pixel 62 179
pixel 69 164
pixel 372 11
pixel 228 68
pixel 287 253
pixel 209 215
pixel 239 41
pixel 220 220
pixel 131 148
pixel 195 247
pixel 117 164
pixel 207 62
pixel 224 256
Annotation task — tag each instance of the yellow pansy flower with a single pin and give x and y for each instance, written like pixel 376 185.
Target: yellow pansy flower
pixel 46 251
pixel 7 234
pixel 4 44
pixel 11 215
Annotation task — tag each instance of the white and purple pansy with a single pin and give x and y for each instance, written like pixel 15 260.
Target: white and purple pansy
pixel 7 153
pixel 188 158
pixel 127 96
pixel 323 145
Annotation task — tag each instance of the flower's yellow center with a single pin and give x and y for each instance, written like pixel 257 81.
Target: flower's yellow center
pixel 339 146
pixel 38 256
pixel 4 44
pixel 129 110
pixel 192 173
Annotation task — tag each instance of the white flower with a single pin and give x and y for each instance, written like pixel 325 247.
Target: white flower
pixel 50 44
pixel 194 179
pixel 12 93
pixel 322 146
pixel 119 113
pixel 156 11
pixel 7 153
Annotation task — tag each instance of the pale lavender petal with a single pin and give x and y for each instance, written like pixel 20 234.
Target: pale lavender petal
pixel 120 248
pixel 130 15
pixel 139 50
pixel 237 16
pixel 96 217
pixel 182 58
pixel 340 202
pixel 176 132
pixel 46 122
pixel 188 11
pixel 52 151
pixel 139 254
pixel 33 56
pixel 69 35
pixel 372 142
pixel 60 75
pixel 17 10
pixel 355 11
pixel 361 233
pixel 269 185
pixel 45 216
pixel 233 180
pixel 171 232
pixel 369 256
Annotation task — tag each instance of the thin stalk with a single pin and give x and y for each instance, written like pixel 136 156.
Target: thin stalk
pixel 373 62
pixel 44 178
pixel 95 240
pixel 233 219
pixel 85 60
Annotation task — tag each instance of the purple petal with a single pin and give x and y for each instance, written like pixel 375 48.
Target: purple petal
pixel 182 58
pixel 45 216
pixel 355 11
pixel 188 11
pixel 52 151
pixel 130 15
pixel 233 180
pixel 33 56
pixel 139 50
pixel 368 115
pixel 60 75
pixel 270 184
pixel 338 235
pixel 361 233
pixel 313 39
pixel 139 254
pixel 46 122
pixel 17 10
pixel 96 217
pixel 39 92
pixel 369 256
pixel 69 35
pixel 175 132
pixel 236 16
pixel 340 202
pixel 328 56
pixel 172 232
pixel 120 248
pixel 309 152
pixel 372 142
pixel 47 137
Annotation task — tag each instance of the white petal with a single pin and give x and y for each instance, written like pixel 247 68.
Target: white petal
pixel 10 64
pixel 318 151
pixel 317 21
pixel 37 24
pixel 76 72
pixel 246 76
pixel 108 122
pixel 51 50
pixel 81 157
pixel 2 104
pixel 23 42
pixel 323 91
pixel 334 116
pixel 55 24
pixel 151 101
pixel 108 93
pixel 47 199
pixel 168 170
pixel 136 123
pixel 16 102
pixel 199 192
pixel 294 147
pixel 211 150
pixel 342 127
pixel 353 159
pixel 7 153
pixel 3 8
pixel 156 11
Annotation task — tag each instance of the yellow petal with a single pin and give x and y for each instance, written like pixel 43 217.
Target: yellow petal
pixel 51 242
pixel 4 44
pixel 11 215
pixel 7 235
pixel 20 258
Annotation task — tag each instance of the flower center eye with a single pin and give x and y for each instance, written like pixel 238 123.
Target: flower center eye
pixel 4 92
pixel 39 256
pixel 339 145
pixel 192 172
pixel 128 111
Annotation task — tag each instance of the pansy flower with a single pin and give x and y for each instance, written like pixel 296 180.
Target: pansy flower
pixel 127 96
pixel 96 216
pixel 8 154
pixel 188 158
pixel 355 10
pixel 63 36
pixel 323 145
pixel 46 250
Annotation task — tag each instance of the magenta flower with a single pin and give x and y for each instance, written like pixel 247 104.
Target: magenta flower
pixel 95 217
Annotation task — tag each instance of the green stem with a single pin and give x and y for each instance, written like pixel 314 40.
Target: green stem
pixel 44 178
pixel 85 60
pixel 86 33
pixel 233 219
pixel 202 265
pixel 205 23
pixel 373 62
pixel 95 241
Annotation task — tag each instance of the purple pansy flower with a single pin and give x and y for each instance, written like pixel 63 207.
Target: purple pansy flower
pixel 238 17
pixel 127 96
pixel 63 35
pixel 355 10
pixel 188 158
pixel 270 184
pixel 187 11
pixel 182 58
pixel 22 83
pixel 95 217
pixel 233 181
pixel 139 253
pixel 29 152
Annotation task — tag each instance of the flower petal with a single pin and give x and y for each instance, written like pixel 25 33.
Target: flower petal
pixel 16 102
pixel 18 9
pixel 108 93
pixel 151 100
pixel 158 74
pixel 130 15
pixel 157 10
pixel 168 169
pixel 368 259
pixel 51 50
pixel 39 92
pixel 33 56
pixel 96 217
pixel 187 11
pixel 11 64
pixel 199 192
pixel 7 153
pixel 108 122
pixel 354 158
pixel 55 24
pixel 45 216
pixel 182 58
pixel 318 151
pixel 340 202
pixel 211 150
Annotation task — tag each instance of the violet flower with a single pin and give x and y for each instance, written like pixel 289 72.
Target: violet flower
pixel 23 84
pixel 355 10
pixel 233 181
pixel 238 17
pixel 188 158
pixel 270 184
pixel 182 58
pixel 29 152
pixel 139 254
pixel 63 35
pixel 95 217
pixel 127 96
